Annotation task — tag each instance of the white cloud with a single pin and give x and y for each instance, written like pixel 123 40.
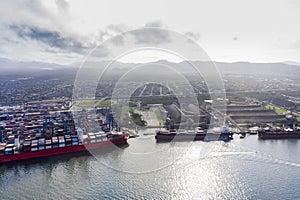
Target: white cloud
pixel 230 30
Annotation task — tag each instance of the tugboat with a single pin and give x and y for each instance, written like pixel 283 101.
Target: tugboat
pixel 243 135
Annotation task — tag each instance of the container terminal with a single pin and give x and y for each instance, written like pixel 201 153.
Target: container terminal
pixel 47 128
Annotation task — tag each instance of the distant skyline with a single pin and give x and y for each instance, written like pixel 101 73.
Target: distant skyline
pixel 64 32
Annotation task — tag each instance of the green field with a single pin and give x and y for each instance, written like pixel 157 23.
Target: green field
pixel 87 103
pixel 92 102
pixel 124 113
pixel 104 103
pixel 278 110
pixel 159 117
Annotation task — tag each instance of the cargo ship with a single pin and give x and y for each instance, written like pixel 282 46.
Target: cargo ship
pixel 278 133
pixel 38 148
pixel 198 134
pixel 33 131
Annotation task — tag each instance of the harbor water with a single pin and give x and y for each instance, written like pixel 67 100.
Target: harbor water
pixel 246 168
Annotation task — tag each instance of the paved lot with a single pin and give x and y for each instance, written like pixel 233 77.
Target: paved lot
pixel 149 117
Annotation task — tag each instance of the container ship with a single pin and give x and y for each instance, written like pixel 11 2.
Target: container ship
pixel 278 133
pixel 181 135
pixel 41 147
pixel 27 133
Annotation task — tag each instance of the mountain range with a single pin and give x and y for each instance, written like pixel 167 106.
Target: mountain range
pixel 288 68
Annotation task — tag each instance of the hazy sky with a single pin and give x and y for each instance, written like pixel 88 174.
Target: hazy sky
pixel 233 30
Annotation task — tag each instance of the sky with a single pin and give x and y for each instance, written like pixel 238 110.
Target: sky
pixel 62 31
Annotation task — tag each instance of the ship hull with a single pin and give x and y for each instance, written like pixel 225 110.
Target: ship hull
pixel 60 151
pixel 174 136
pixel 191 137
pixel 279 135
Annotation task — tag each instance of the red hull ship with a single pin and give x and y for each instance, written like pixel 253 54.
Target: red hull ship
pixel 29 135
pixel 62 150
